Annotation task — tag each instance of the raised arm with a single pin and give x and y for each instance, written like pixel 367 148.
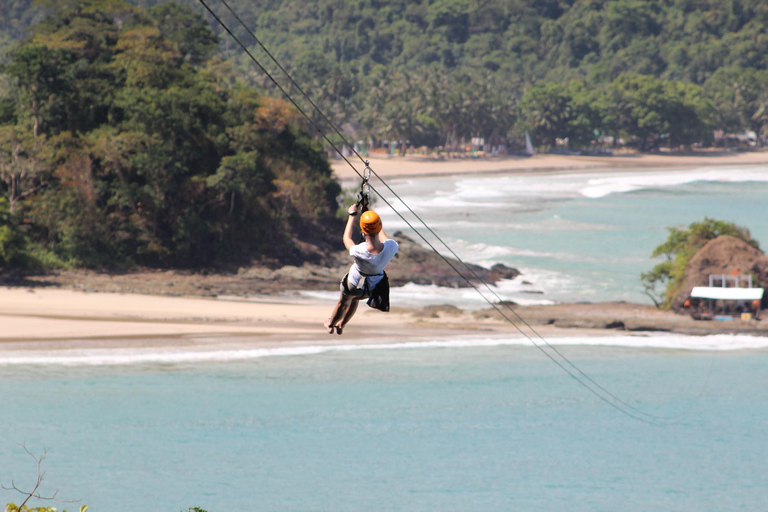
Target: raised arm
pixel 383 236
pixel 348 242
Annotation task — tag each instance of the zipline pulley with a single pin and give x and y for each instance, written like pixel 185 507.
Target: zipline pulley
pixel 363 197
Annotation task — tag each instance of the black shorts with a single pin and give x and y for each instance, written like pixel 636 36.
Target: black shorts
pixel 360 293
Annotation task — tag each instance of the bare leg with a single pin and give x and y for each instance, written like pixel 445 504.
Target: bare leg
pixel 351 310
pixel 339 311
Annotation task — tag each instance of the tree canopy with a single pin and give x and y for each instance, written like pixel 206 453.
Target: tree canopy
pixel 439 72
pixel 125 141
pixel 443 71
pixel 136 131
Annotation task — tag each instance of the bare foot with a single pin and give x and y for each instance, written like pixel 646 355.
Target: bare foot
pixel 328 326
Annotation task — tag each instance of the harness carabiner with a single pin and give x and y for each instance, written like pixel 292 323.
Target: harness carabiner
pixel 365 189
pixel 365 193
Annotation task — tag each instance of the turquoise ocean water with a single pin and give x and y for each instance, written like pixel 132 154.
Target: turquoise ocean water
pixel 490 429
pixel 464 425
pixel 580 236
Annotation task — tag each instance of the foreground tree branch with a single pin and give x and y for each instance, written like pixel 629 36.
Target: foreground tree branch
pixel 40 475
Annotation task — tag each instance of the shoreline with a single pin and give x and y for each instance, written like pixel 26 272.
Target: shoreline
pixel 174 310
pixel 75 327
pixel 420 167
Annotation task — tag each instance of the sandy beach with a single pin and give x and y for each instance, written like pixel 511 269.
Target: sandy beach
pixel 59 316
pixel 65 323
pixel 67 317
pixel 414 166
pixel 81 310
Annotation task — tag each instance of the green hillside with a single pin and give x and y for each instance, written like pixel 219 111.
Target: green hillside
pixel 140 133
pixel 124 140
pixel 438 72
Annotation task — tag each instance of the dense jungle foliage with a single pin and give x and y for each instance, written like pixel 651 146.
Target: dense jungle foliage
pixel 137 132
pixel 124 140
pixel 439 72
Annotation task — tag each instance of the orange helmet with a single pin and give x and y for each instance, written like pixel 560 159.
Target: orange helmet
pixel 370 222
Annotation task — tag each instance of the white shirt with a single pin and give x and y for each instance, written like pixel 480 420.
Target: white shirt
pixel 372 265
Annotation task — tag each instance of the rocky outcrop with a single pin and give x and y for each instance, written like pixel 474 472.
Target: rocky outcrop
pixel 412 264
pixel 623 317
pixel 723 255
pixel 415 264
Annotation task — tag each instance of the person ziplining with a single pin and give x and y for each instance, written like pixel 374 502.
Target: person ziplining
pixel 366 278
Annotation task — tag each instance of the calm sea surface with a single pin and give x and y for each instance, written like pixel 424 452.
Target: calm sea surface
pixel 492 429
pixel 435 428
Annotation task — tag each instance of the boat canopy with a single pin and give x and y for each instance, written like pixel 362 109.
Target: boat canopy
pixel 719 293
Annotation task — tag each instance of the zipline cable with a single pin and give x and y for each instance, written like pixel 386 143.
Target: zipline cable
pixel 395 194
pixel 365 180
pixel 322 133
pixel 616 399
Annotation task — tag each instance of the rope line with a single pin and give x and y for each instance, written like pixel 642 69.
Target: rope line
pixel 280 87
pixel 574 371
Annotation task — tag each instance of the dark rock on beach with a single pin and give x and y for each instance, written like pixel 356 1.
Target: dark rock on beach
pixel 623 317
pixel 415 264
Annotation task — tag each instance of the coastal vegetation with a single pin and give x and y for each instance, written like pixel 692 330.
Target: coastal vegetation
pixel 135 133
pixel 124 140
pixel 681 245
pixel 442 72
pixel 10 507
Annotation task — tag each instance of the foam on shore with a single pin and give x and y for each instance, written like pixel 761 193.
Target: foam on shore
pixel 517 191
pixel 621 183
pixel 413 295
pixel 112 357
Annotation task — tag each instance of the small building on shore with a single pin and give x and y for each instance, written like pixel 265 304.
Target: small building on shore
pixel 727 296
